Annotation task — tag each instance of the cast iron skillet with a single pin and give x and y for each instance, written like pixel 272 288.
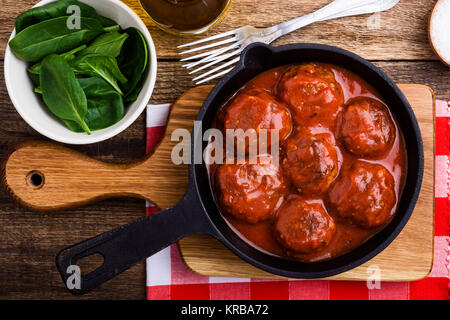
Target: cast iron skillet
pixel 198 212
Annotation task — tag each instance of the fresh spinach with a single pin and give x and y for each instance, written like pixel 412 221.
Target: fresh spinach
pixel 106 22
pixel 34 70
pixel 134 94
pixel 133 61
pixel 61 91
pixel 108 44
pixel 105 105
pixel 110 64
pixel 96 65
pixel 52 10
pixel 53 36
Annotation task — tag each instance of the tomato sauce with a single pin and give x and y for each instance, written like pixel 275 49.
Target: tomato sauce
pixel 347 236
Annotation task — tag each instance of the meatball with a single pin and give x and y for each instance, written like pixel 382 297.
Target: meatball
pixel 366 128
pixel 250 192
pixel 303 226
pixel 363 195
pixel 257 109
pixel 312 92
pixel 310 161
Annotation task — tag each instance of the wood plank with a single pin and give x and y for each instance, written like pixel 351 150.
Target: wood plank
pixel 402 33
pixel 31 240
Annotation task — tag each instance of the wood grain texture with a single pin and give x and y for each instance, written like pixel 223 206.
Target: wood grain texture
pixel 29 241
pixel 401 33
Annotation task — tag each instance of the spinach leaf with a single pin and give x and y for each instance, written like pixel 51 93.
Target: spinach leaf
pixel 134 94
pixel 61 91
pixel 53 36
pixel 35 78
pixel 106 22
pixel 35 70
pixel 133 60
pixel 105 105
pixel 96 65
pixel 52 10
pixel 108 44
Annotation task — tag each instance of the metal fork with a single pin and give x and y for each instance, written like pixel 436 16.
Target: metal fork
pixel 235 41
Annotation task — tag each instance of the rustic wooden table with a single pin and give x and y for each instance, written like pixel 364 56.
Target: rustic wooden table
pixel 29 241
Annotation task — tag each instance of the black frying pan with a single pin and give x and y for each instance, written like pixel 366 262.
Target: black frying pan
pixel 198 212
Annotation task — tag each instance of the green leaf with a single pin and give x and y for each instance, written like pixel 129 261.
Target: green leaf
pixel 134 94
pixel 106 22
pixel 108 44
pixel 35 77
pixel 133 60
pixel 105 105
pixel 53 36
pixel 35 70
pixel 52 10
pixel 115 27
pixel 61 91
pixel 96 65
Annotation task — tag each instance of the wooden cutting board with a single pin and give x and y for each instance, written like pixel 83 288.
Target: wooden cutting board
pixel 408 258
pixel 47 176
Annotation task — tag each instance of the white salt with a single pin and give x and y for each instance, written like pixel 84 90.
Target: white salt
pixel 440 29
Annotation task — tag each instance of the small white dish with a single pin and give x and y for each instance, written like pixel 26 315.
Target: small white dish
pixel 438 30
pixel 30 106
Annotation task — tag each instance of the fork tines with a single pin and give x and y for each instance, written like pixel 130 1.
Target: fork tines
pixel 223 50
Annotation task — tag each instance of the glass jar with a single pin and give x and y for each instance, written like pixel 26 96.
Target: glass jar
pixel 186 16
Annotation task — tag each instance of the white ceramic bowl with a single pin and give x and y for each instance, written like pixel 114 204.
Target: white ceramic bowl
pixel 37 115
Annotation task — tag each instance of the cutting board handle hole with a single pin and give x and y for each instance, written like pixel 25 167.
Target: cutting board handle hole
pixel 36 179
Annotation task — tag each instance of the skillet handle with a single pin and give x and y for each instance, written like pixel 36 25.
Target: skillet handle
pixel 126 246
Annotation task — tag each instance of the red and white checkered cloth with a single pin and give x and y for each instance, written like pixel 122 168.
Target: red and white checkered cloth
pixel 169 278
